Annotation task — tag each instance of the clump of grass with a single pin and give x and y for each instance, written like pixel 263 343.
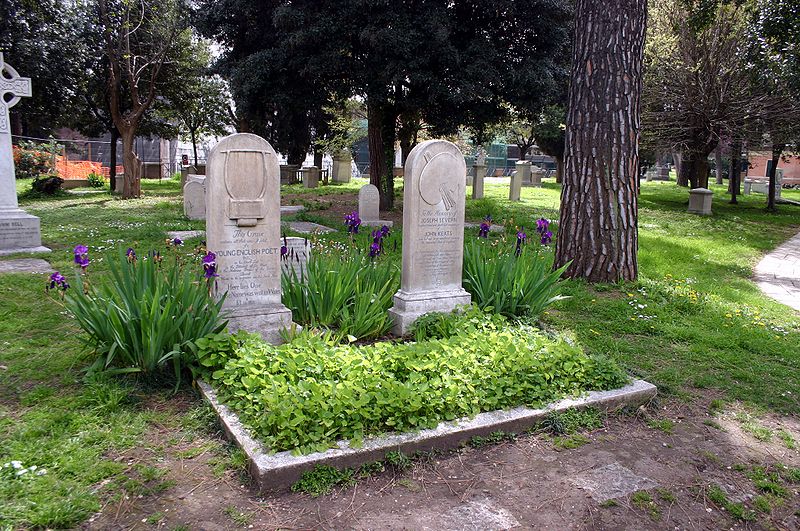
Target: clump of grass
pixel 787 439
pixel 398 460
pixel 570 442
pixel 665 425
pixel 496 437
pixel 642 500
pixel 736 510
pixel 323 479
pixel 572 420
pixel 238 516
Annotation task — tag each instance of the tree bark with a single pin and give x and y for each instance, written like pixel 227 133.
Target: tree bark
pixel 194 146
pixel 677 160
pixel 131 187
pixel 718 164
pixel 735 172
pixel 559 169
pixel 598 228
pixel 112 170
pixel 694 171
pixel 777 149
pixel 381 137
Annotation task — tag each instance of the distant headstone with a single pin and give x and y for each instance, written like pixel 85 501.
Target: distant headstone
pixel 243 230
pixel 19 231
pixel 523 168
pixel 369 207
pixel 298 252
pixel 311 177
pixel 194 197
pixel 433 234
pixel 478 175
pixel 342 167
pixel 700 201
pixel 662 173
pixel 536 177
pixel 369 203
pixel 288 172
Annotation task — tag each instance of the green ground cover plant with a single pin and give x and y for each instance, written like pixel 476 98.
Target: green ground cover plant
pixel 305 395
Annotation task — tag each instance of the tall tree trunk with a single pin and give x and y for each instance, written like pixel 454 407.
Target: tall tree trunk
pixel 194 146
pixel 735 172
pixel 559 169
pixel 677 159
pixel 718 163
pixel 112 170
pixel 598 228
pixel 131 187
pixel 777 149
pixel 693 171
pixel 381 137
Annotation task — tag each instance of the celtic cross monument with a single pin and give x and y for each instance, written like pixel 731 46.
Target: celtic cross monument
pixel 19 231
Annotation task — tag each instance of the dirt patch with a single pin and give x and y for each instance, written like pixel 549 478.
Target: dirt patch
pixel 682 455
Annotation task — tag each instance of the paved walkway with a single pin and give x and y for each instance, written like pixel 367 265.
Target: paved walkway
pixel 778 273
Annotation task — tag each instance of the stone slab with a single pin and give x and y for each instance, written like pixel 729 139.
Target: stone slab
pixel 611 481
pixel 307 227
pixel 288 210
pixel 26 265
pixel 280 470
pixel 186 234
pixel 20 233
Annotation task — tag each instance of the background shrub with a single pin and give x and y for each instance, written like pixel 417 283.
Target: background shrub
pixel 147 317
pixel 32 160
pixel 95 180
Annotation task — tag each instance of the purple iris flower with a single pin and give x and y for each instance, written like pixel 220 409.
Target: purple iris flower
pixel 210 265
pixel 521 237
pixel 353 222
pixel 374 249
pixel 81 256
pixel 130 254
pixel 58 281
pixel 542 225
pixel 483 232
pixel 385 231
pixel 547 237
pixel 177 241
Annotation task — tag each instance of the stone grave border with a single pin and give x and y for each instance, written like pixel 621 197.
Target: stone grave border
pixel 278 471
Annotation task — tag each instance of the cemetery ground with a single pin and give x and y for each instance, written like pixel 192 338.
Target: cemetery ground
pixel 717 449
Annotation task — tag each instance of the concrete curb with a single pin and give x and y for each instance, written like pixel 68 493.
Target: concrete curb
pixel 280 470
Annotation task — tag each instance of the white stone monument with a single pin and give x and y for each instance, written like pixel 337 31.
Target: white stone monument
pixel 298 253
pixel 515 187
pixel 194 197
pixel 20 232
pixel 311 177
pixel 433 234
pixel 369 207
pixel 700 201
pixel 477 181
pixel 342 167
pixel 243 230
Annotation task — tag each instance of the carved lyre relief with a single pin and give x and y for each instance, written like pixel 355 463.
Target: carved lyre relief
pixel 245 176
pixel 437 182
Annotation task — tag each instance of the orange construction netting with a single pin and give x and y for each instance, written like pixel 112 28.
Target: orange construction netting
pixel 80 169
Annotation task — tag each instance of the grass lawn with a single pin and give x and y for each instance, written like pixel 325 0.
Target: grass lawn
pixel 693 320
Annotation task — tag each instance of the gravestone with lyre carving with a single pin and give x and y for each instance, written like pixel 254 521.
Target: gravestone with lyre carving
pixel 243 226
pixel 20 232
pixel 433 234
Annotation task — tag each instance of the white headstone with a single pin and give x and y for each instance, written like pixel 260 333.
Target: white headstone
pixel 516 180
pixel 194 197
pixel 243 229
pixel 342 167
pixel 433 234
pixel 298 253
pixel 311 177
pixel 19 231
pixel 700 201
pixel 478 174
pixel 369 203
